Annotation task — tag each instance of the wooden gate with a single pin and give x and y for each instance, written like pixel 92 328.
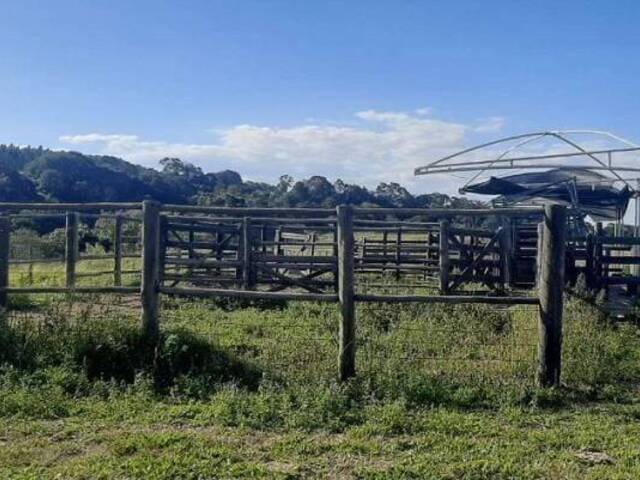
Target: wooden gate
pixel 248 253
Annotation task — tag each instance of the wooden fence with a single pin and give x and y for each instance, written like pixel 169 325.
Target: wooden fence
pixel 318 255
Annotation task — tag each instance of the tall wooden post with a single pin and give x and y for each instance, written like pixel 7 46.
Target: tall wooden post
pixel 277 245
pixel 71 248
pixel 635 248
pixel 219 250
pixel 246 253
pixel 150 268
pixel 398 252
pixel 506 251
pixel 117 251
pixel 5 233
pixel 263 238
pixel 597 256
pixel 347 349
pixel 240 257
pixel 550 291
pixel 444 256
pixel 334 252
pixel 385 239
pixel 589 261
pixel 540 234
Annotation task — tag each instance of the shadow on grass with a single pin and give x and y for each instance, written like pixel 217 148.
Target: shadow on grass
pixel 116 350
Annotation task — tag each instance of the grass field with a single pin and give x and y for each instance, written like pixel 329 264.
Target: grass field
pixel 249 391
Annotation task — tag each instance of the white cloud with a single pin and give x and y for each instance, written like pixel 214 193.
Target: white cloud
pixel 97 138
pixel 379 146
pixel 489 125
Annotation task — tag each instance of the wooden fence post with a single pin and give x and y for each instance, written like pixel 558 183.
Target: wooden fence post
pixel 589 261
pixel 444 256
pixel 117 251
pixel 550 291
pixel 385 239
pixel 506 254
pixel 540 234
pixel 334 252
pixel 277 245
pixel 347 349
pixel 597 256
pixel 5 233
pixel 150 268
pixel 246 253
pixel 71 248
pixel 219 250
pixel 398 252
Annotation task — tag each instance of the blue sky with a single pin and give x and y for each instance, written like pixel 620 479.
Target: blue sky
pixel 361 90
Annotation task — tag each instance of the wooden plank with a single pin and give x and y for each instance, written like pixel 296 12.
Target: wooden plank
pixel 605 240
pixel 319 259
pixel 202 262
pixel 76 290
pixel 202 228
pixel 613 260
pixel 451 299
pixel 450 212
pixel 249 294
pixel 13 206
pixel 290 281
pixel 263 221
pixel 248 211
pixel 621 280
pixel 474 232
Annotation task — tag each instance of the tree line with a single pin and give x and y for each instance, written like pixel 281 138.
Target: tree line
pixel 39 174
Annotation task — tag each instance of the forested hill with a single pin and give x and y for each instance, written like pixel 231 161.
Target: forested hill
pixel 30 174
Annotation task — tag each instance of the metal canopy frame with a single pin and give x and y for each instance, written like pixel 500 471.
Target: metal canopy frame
pixel 504 162
pixel 454 163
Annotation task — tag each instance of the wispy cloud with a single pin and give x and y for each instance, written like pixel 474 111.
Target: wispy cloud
pixel 489 125
pixel 377 146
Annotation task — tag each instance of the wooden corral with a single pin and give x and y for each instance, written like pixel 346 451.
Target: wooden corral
pixel 340 255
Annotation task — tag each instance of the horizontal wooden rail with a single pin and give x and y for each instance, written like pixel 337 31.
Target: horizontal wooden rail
pixel 621 280
pixel 472 231
pixel 256 221
pixel 262 258
pixel 451 212
pixel 248 211
pixel 249 295
pixel 13 206
pixel 111 216
pixel 617 240
pixel 34 290
pixel 37 216
pixel 203 263
pixel 620 260
pixel 390 223
pixel 32 261
pixel 452 299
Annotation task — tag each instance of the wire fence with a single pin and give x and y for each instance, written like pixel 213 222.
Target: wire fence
pixel 475 343
pixel 296 343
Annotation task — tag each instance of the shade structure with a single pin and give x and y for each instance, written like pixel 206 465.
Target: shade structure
pixel 586 191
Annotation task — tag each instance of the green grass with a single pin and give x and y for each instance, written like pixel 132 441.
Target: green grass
pixel 250 391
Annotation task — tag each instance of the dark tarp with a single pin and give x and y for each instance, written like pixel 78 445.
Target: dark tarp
pixel 591 192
